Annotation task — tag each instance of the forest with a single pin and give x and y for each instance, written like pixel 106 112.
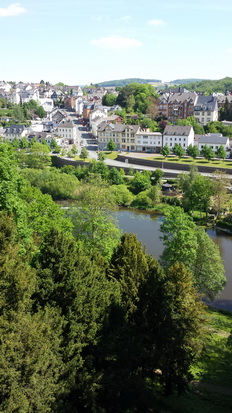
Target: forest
pixel 89 321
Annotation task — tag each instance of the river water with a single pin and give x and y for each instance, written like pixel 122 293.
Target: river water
pixel 147 228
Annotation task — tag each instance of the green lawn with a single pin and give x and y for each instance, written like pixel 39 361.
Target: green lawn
pixel 111 155
pixel 214 368
pixel 218 163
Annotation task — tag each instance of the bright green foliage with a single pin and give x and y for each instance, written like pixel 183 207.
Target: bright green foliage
pixel 165 151
pixel 142 200
pixel 197 190
pixel 84 153
pixel 208 271
pixel 111 146
pixel 135 97
pixel 193 151
pixel 207 152
pixel 42 213
pixel 122 195
pixel 109 99
pixel 221 152
pixel 101 156
pixel 23 144
pixel 189 245
pixel 114 177
pixel 93 223
pixel 157 176
pixel 179 239
pixel 178 150
pixel 191 121
pixel 15 143
pixel 155 194
pixel 99 168
pixel 52 182
pixel 140 182
pixel 220 195
pixel 38 157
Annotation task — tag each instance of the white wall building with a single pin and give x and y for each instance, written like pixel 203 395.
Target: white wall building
pixel 182 135
pixel 47 104
pixel 68 131
pixel 214 140
pixel 148 141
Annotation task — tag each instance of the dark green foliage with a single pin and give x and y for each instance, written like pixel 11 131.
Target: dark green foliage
pixel 30 362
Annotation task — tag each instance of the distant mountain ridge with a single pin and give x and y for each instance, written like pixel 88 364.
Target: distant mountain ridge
pixel 123 82
pixel 184 81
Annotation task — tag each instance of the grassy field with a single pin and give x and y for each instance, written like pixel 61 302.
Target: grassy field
pixel 111 155
pixel 211 390
pixel 217 163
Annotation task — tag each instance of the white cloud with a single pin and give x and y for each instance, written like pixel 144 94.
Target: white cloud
pixel 156 22
pixel 12 10
pixel 116 42
pixel 97 18
pixel 125 18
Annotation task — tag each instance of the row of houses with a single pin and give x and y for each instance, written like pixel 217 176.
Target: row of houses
pixel 133 138
pixel 58 125
pixel 182 103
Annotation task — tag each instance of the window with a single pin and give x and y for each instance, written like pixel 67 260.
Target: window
pixel 170 144
pixel 124 140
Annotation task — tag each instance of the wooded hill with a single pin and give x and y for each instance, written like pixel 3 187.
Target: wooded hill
pixel 123 82
pixel 210 86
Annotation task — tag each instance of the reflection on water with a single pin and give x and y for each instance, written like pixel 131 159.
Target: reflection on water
pixel 147 228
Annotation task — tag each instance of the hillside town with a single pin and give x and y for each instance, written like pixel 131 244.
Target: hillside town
pixel 67 108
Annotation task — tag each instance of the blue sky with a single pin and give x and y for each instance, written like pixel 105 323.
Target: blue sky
pixel 84 41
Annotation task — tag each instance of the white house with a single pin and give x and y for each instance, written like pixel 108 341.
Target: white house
pixel 215 140
pixel 148 141
pixel 182 135
pixel 15 131
pixel 67 130
pixel 206 109
pixel 47 104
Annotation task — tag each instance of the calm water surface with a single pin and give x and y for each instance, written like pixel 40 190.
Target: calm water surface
pixel 147 228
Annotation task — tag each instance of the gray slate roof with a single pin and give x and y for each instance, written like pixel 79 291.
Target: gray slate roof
pixel 66 124
pixel 15 129
pixel 206 103
pixel 177 130
pixel 221 140
pixel 117 127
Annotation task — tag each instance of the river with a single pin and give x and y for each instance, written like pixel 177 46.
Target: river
pixel 147 228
